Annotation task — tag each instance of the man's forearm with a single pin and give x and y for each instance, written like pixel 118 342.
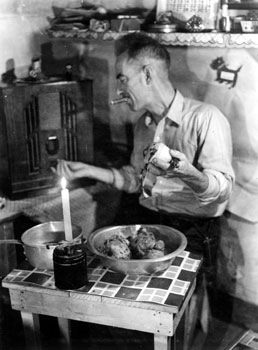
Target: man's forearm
pixel 122 179
pixel 196 180
pixel 109 176
pixel 101 174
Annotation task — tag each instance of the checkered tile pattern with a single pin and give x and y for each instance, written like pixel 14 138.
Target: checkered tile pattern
pixel 167 288
pixel 248 341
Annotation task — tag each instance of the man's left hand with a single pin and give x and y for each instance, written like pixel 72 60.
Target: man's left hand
pixel 179 165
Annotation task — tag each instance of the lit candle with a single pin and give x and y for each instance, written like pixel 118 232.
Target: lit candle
pixel 66 211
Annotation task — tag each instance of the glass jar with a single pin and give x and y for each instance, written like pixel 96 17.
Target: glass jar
pixel 70 266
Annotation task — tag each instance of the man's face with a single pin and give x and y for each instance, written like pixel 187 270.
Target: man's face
pixel 131 82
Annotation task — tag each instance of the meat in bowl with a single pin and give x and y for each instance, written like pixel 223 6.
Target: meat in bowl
pixel 143 245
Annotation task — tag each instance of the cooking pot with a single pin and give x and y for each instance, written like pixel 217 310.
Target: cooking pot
pixel 40 241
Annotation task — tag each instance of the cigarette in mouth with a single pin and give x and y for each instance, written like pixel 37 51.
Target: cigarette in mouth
pixel 119 100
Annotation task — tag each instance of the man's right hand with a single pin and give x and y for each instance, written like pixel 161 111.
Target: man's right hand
pixel 73 170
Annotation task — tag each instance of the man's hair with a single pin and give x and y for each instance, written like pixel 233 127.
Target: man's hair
pixel 138 45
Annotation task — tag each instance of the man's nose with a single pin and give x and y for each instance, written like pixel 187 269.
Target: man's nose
pixel 119 91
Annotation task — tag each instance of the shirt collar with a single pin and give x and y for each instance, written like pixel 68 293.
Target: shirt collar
pixel 174 115
pixel 175 111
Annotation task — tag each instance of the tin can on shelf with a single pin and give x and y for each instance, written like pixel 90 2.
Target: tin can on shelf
pixel 70 266
pixel 236 24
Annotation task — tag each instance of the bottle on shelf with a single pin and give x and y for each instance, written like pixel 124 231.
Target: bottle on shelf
pixel 225 22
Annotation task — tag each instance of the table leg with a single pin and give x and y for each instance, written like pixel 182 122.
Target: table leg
pixel 162 342
pixel 197 308
pixel 65 329
pixel 31 330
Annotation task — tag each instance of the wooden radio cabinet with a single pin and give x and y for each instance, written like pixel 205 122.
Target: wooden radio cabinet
pixel 40 123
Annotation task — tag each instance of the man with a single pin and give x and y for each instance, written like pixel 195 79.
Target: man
pixel 191 192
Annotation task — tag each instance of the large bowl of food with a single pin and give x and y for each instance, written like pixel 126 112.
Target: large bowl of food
pixel 137 249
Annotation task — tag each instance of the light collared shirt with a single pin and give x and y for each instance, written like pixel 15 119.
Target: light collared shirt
pixel 202 133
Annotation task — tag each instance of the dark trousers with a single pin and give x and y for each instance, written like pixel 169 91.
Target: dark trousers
pixel 202 236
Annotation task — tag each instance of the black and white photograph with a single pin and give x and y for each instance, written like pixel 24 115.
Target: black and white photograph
pixel 128 174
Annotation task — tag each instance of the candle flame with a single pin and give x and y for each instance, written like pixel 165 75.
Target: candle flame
pixel 63 183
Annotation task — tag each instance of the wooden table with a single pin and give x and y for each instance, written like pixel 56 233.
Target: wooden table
pixel 153 304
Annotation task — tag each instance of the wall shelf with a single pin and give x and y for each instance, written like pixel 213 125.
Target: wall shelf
pixel 203 39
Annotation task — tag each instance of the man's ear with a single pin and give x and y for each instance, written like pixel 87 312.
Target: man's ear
pixel 147 70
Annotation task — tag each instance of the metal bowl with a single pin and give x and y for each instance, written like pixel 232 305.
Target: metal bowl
pixel 175 243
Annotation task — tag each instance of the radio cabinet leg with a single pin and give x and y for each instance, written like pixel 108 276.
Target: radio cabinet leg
pixel 8 260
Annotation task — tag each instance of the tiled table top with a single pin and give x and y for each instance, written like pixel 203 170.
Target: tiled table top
pixel 247 341
pixel 167 288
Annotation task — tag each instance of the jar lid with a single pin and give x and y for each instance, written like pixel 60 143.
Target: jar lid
pixel 238 19
pixel 69 252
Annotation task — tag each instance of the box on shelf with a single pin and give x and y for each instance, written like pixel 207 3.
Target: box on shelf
pixel 125 24
pixel 249 26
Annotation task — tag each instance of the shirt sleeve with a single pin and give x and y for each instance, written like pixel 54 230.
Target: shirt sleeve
pixel 126 179
pixel 219 189
pixel 215 158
